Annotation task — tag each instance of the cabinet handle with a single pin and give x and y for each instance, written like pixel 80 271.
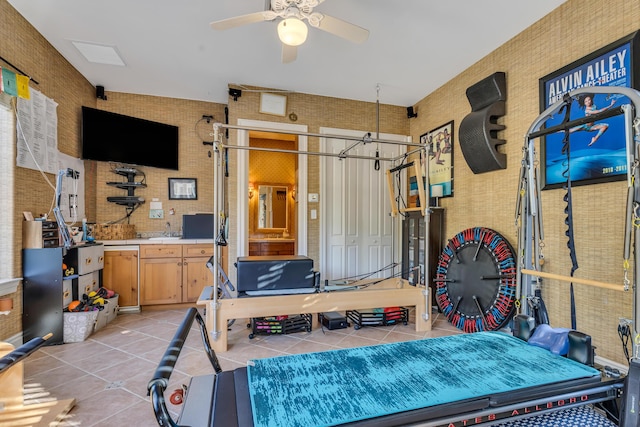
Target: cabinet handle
pixel 100 259
pixel 202 251
pixel 87 261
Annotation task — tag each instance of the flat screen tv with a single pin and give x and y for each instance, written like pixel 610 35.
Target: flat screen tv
pixel 112 137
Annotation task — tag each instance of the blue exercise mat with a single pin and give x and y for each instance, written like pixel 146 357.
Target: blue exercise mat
pixel 340 386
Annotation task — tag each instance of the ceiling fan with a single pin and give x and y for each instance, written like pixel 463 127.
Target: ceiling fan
pixel 291 29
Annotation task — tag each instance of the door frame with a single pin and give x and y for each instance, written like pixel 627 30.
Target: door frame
pixel 243 183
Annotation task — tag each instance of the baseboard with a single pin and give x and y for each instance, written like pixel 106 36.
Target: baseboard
pixel 15 340
pixel 606 362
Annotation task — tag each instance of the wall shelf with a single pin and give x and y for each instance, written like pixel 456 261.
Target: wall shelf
pixel 9 286
pixel 130 200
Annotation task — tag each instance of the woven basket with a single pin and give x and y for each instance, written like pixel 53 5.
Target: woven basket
pixel 114 231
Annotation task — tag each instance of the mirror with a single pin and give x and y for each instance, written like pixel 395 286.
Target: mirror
pixel 272 207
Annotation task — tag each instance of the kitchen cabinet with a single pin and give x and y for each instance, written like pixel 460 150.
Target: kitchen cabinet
pixel 270 247
pixel 121 274
pixel 172 274
pixel 195 274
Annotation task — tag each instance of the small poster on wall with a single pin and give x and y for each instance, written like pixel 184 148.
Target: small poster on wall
pixel 439 144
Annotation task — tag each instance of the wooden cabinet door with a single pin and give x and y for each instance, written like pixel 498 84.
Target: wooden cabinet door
pixel 161 280
pixel 195 276
pixel 121 275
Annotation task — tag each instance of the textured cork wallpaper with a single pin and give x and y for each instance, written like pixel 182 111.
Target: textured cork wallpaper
pixel 574 30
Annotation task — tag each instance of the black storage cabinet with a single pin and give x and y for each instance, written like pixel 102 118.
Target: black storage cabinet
pixel 42 294
pixel 413 246
pixel 43 298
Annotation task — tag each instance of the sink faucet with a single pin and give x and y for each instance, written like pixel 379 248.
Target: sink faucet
pixel 168 229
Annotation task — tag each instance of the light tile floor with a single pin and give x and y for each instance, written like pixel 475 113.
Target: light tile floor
pixel 108 373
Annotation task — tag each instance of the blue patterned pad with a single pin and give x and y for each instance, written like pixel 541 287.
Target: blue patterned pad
pixel 340 386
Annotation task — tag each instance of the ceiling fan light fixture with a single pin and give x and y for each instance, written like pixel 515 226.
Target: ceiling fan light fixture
pixel 292 31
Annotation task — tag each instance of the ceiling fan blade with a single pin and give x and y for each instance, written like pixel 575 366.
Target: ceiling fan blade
pixel 225 24
pixel 343 29
pixel 289 53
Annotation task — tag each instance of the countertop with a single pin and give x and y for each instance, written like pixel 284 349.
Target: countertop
pixel 156 241
pixel 273 239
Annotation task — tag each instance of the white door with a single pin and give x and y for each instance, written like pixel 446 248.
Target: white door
pixel 358 235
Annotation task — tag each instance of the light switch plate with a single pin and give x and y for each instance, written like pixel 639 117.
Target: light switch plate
pixel 313 197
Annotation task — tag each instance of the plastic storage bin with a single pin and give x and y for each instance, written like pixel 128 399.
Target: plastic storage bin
pixel 280 325
pixel 378 317
pixel 78 326
pixel 108 313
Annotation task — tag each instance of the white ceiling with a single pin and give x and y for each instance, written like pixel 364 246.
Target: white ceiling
pixel 414 46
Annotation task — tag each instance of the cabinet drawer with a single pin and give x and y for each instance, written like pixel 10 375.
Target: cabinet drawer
pixel 87 283
pixel 160 251
pixel 254 248
pixel 86 259
pixel 271 248
pixel 67 292
pixel 278 248
pixel 197 250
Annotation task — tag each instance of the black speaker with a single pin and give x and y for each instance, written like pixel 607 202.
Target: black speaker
pixel 100 93
pixel 411 113
pixel 479 129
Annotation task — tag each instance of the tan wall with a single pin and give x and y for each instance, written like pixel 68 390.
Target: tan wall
pixel 27 49
pixel 576 29
pixel 194 161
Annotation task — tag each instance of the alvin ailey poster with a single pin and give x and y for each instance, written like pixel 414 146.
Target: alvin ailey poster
pixel 597 149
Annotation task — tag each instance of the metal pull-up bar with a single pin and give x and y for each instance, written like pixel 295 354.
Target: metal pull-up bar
pixel 367 138
pixel 561 278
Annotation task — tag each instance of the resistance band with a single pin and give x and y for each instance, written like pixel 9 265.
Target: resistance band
pixel 568 210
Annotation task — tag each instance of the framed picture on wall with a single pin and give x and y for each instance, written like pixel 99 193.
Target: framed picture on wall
pixel 597 150
pixel 439 142
pixel 183 189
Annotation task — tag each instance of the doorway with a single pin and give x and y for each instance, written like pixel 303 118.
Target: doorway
pixel 243 230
